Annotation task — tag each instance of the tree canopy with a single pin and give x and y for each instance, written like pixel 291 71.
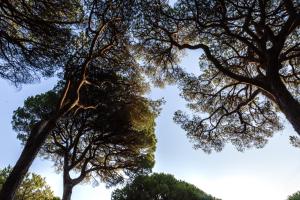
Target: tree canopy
pixel 34 36
pixel 159 187
pixel 99 45
pixel 109 132
pixel 248 62
pixel 104 143
pixel 33 187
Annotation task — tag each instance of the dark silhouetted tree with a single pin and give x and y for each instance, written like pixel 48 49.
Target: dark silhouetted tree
pixel 249 65
pixel 33 187
pixel 34 37
pixel 159 187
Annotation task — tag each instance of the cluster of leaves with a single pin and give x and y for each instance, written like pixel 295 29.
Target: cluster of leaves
pixel 33 187
pixel 160 187
pixel 232 112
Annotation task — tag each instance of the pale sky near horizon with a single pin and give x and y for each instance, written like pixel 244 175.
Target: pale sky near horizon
pixel 261 174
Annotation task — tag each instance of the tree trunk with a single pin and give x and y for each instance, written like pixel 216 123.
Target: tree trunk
pixel 68 188
pixel 287 103
pixel 68 184
pixel 34 143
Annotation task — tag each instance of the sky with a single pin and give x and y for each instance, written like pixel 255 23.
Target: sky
pixel 269 173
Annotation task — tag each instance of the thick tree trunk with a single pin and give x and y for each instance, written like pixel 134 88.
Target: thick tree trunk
pixel 34 143
pixel 287 103
pixel 68 188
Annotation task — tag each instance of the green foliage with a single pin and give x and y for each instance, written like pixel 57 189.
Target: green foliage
pixel 104 127
pixel 35 109
pixel 33 187
pixel 295 196
pixel 159 187
pixel 110 140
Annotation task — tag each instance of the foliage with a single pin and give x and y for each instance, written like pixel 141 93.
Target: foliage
pixel 36 108
pixel 112 139
pixel 248 65
pixel 33 187
pixel 34 36
pixel 295 196
pixel 159 186
pixel 98 56
pixel 119 134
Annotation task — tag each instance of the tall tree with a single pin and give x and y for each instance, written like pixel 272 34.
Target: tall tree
pixel 33 187
pixel 33 37
pixel 249 65
pixel 115 139
pixel 101 41
pixel 159 187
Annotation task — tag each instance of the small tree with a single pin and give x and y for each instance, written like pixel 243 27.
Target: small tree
pixel 159 187
pixel 33 187
pixel 295 196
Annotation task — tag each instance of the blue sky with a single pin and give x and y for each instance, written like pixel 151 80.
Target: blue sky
pixel 269 173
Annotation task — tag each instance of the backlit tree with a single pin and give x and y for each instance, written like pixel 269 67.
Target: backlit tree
pixel 249 65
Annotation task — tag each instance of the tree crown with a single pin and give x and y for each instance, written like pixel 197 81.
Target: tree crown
pixel 33 187
pixel 160 186
pixel 248 65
